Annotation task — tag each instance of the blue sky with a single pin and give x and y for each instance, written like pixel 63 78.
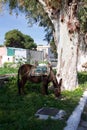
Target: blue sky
pixel 10 22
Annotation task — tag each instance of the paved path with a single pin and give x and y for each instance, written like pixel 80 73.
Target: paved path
pixel 75 118
pixel 83 121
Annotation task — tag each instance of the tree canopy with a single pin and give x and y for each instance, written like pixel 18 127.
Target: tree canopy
pixel 15 38
pixel 35 13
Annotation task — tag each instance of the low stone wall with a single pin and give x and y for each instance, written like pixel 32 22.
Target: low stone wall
pixel 74 119
pixel 5 78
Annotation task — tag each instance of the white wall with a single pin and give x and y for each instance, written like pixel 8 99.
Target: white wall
pixel 20 53
pixel 46 50
pixel 6 59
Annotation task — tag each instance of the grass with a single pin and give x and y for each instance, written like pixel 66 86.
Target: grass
pixel 8 70
pixel 17 112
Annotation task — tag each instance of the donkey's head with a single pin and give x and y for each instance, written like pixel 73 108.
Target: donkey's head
pixel 57 85
pixel 56 80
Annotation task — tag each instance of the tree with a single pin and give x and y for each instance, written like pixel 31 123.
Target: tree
pixel 83 16
pixel 62 16
pixel 15 38
pixel 29 42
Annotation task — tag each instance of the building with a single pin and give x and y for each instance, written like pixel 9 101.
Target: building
pixel 48 55
pixel 4 57
pixel 14 55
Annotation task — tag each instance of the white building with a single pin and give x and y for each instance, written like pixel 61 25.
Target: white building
pixel 48 55
pixel 14 55
pixel 10 54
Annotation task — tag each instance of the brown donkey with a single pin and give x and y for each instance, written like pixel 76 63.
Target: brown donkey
pixel 25 73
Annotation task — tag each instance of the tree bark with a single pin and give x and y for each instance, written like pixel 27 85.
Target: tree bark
pixel 67 58
pixel 66 39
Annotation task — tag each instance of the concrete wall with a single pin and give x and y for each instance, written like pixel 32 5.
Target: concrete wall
pixel 23 55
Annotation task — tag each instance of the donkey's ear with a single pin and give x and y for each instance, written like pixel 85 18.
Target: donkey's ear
pixel 49 65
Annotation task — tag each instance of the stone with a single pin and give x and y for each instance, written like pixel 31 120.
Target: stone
pixel 53 113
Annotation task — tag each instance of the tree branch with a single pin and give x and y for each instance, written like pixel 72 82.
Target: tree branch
pixel 42 3
pixel 49 9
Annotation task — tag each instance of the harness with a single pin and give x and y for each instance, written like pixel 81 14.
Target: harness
pixel 39 71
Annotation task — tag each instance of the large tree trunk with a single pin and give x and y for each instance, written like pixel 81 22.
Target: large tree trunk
pixel 66 39
pixel 67 56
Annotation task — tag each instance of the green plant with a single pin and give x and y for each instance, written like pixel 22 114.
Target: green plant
pixel 82 77
pixel 8 64
pixel 18 112
pixel 6 70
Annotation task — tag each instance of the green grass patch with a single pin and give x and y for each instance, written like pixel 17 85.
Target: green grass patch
pixel 17 112
pixel 82 77
pixel 7 70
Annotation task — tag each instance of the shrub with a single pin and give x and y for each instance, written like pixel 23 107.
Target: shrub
pixel 8 64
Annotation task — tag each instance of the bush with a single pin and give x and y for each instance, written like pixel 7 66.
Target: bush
pixel 82 77
pixel 10 65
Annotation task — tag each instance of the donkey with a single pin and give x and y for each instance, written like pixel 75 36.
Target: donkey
pixel 25 74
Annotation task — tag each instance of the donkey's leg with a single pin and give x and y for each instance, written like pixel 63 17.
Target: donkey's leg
pixel 22 85
pixel 19 87
pixel 45 88
pixel 19 90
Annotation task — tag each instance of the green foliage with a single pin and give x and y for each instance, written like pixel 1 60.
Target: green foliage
pixel 34 12
pixel 29 42
pixel 17 112
pixel 7 70
pixel 82 77
pixel 8 64
pixel 15 38
pixel 82 15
